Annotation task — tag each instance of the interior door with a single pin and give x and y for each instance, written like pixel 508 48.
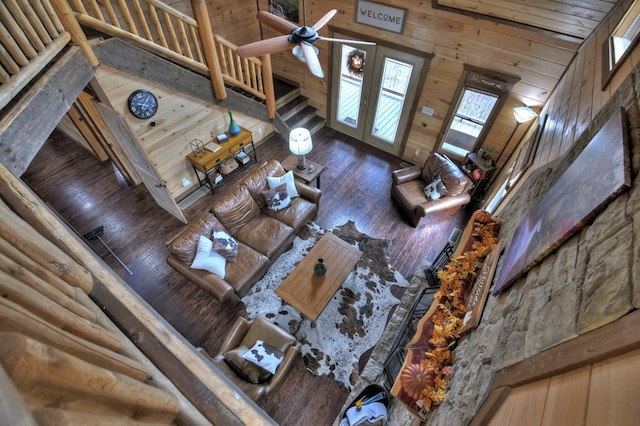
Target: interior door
pixel 373 93
pixel 134 152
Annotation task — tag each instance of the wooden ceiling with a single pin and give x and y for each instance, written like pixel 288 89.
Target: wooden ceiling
pixel 563 17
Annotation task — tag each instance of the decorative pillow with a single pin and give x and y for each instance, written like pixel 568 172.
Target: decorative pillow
pixel 208 259
pixel 265 356
pixel 244 368
pixel 435 190
pixel 277 198
pixel 225 245
pixel 288 178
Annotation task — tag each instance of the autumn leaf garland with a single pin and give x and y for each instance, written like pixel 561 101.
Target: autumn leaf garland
pixel 448 318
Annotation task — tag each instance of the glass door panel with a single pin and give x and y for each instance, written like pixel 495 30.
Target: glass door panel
pixel 351 82
pixel 373 90
pixel 393 92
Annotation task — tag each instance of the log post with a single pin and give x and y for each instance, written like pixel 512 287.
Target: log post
pixel 201 13
pixel 267 81
pixel 70 23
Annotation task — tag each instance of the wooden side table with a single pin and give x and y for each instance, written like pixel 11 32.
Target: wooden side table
pixel 313 170
pixel 209 161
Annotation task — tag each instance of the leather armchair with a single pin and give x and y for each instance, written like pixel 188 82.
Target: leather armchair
pixel 408 184
pixel 245 333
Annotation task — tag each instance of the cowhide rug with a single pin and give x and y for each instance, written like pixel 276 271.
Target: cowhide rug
pixel 354 319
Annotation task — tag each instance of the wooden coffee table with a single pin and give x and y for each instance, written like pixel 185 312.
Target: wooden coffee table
pixel 310 293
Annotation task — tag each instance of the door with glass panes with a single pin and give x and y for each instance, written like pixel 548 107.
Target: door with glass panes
pixel 373 91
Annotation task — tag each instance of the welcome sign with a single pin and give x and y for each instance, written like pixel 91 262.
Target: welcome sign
pixel 381 16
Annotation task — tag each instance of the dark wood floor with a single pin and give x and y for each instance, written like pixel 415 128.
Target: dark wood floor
pixel 356 183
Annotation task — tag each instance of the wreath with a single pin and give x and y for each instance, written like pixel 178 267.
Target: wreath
pixel 355 62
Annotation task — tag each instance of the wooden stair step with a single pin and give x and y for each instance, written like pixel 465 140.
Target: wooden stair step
pixel 302 116
pixel 292 107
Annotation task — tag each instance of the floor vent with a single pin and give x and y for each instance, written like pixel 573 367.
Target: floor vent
pixel 454 236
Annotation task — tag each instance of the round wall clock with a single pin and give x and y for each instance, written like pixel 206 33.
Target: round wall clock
pixel 142 104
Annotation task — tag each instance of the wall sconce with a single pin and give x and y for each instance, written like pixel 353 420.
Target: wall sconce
pixel 522 114
pixel 300 144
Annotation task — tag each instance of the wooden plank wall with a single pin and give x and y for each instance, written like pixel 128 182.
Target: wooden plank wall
pixel 577 100
pixel 601 393
pixel 180 119
pixel 455 39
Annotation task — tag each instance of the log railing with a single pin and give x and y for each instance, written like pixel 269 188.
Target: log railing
pixel 31 35
pixel 60 357
pixel 167 32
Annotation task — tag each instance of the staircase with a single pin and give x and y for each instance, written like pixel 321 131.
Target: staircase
pixel 293 110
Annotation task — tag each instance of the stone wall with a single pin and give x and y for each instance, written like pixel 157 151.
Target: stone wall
pixel 591 280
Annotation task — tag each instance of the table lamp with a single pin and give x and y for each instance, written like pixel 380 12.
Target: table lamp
pixel 300 144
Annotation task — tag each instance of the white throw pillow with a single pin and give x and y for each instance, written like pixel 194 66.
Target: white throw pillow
pixel 288 178
pixel 207 259
pixel 264 356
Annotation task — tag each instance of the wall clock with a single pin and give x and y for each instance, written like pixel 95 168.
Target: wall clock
pixel 142 104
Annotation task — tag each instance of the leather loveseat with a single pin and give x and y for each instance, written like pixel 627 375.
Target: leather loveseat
pixel 262 234
pixel 408 189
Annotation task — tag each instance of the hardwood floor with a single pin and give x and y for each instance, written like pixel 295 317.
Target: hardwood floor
pixel 356 186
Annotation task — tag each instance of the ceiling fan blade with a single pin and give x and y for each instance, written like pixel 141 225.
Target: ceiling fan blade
pixel 346 41
pixel 326 18
pixel 264 47
pixel 311 58
pixel 276 23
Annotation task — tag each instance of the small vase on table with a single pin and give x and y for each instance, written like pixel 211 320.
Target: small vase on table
pixel 234 128
pixel 320 268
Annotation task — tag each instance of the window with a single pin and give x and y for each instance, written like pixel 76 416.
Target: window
pixel 619 44
pixel 479 98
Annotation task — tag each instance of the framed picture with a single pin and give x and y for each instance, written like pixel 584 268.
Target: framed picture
pixel 597 176
pixel 287 9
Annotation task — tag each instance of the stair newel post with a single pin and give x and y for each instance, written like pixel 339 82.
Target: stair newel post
pixel 201 14
pixel 71 24
pixel 267 82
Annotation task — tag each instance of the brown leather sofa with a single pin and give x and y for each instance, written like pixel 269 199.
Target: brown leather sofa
pixel 262 234
pixel 408 184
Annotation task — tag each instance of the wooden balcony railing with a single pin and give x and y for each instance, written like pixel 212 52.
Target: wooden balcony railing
pixel 179 38
pixel 33 32
pixel 32 35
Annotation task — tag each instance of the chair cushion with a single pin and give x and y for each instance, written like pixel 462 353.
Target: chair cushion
pixel 264 356
pixel 225 245
pixel 256 182
pixel 267 235
pixel 288 179
pixel 207 259
pixel 277 198
pixel 435 190
pixel 235 209
pixel 245 368
pixel 185 245
pixel 261 329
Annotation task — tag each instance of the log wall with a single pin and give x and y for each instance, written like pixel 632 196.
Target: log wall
pixel 57 349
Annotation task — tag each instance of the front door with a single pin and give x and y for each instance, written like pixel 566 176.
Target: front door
pixel 373 92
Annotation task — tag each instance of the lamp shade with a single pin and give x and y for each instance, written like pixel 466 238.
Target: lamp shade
pixel 300 141
pixel 524 114
pixel 298 53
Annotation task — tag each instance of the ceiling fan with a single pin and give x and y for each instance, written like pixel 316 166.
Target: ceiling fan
pixel 301 38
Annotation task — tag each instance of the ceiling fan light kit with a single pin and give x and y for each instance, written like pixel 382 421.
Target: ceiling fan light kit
pixel 302 37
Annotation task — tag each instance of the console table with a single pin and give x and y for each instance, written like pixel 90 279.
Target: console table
pixel 207 163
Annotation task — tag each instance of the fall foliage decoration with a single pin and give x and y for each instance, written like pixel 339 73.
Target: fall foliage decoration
pixel 456 278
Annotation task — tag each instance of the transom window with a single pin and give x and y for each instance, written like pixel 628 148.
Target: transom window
pixel 619 44
pixel 479 98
